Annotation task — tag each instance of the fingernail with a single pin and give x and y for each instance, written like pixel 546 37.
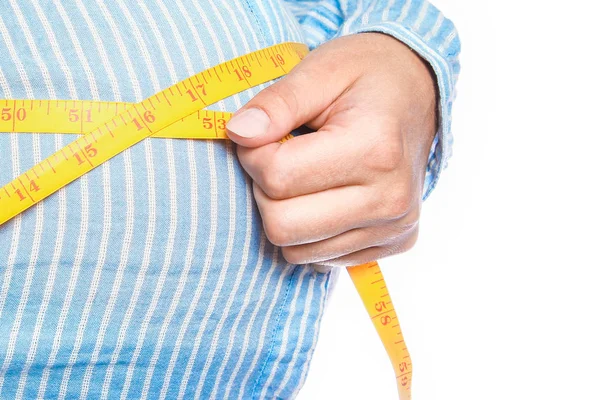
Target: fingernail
pixel 249 123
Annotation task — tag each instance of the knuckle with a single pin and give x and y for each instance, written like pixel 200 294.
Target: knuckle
pixel 397 204
pixel 294 256
pixel 274 182
pixel 276 230
pixel 385 155
pixel 245 156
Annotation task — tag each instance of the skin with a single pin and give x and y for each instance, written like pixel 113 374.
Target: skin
pixel 350 192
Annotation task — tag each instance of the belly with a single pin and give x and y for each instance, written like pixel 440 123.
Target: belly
pixel 150 274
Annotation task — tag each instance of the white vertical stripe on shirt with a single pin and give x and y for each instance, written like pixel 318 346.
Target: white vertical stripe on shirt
pixel 172 224
pixel 242 269
pixel 4 85
pixel 220 280
pixel 191 245
pixel 225 27
pixel 14 156
pixel 39 209
pixel 265 15
pixel 322 304
pixel 298 346
pixel 240 314
pixel 101 51
pixel 263 330
pixel 129 213
pixel 78 49
pixel 285 335
pixel 234 294
pixel 184 275
pixel 286 331
pixel 206 268
pixel 107 215
pixel 61 215
pixel 175 30
pixel 233 376
pixel 151 229
pixel 331 8
pixel 15 161
pixel 292 24
pixel 326 22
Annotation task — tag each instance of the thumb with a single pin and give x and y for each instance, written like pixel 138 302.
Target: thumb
pixel 294 100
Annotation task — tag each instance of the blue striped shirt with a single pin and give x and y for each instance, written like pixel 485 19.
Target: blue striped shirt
pixel 150 277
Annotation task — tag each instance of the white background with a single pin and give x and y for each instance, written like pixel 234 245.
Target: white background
pixel 500 298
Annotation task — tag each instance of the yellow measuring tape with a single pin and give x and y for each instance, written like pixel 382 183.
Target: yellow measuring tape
pixel 108 128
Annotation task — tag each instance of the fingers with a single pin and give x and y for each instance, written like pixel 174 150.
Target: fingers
pixel 322 215
pixel 352 148
pixel 312 217
pixel 297 98
pixel 398 234
pixel 350 192
pixel 373 253
pixel 309 163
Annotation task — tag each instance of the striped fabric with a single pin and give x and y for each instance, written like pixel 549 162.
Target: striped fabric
pixel 150 277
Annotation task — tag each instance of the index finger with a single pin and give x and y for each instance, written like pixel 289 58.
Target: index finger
pixel 328 158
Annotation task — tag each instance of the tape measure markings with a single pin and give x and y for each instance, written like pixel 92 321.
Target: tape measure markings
pixel 370 284
pixel 116 135
pixel 73 117
pixel 175 112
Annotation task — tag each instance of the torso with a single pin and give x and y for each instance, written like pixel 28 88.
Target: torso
pixel 151 274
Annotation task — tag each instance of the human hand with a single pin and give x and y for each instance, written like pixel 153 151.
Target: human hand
pixel 350 192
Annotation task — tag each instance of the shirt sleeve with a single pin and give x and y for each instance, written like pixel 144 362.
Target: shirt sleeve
pixel 416 23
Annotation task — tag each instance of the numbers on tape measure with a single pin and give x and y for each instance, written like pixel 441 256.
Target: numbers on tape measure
pixel 246 73
pixel 18 193
pixel 7 115
pixel 124 125
pixel 368 279
pixel 74 115
pixel 380 306
pixel 217 123
pixel 148 117
pixel 201 88
pixel 278 60
pixel 402 366
pixel 207 123
pixel 88 152
pixel 33 187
